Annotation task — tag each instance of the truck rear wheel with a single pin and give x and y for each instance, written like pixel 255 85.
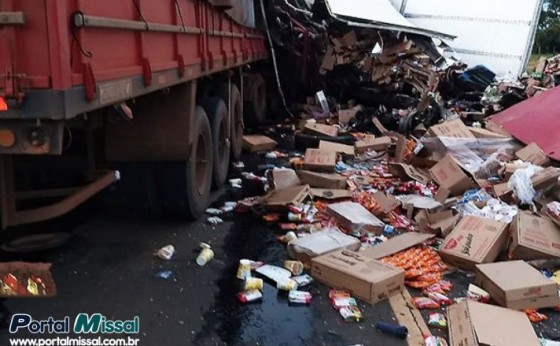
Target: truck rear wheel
pixel 237 126
pixel 254 96
pixel 218 115
pixel 186 185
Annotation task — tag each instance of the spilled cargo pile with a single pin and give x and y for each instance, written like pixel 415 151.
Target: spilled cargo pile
pixel 378 214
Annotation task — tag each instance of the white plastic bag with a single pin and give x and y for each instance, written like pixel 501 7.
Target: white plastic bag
pixel 521 184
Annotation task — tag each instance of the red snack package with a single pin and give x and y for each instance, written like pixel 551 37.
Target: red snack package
pixel 425 303
pixel 441 299
pixel 535 316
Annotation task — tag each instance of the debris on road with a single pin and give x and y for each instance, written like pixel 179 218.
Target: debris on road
pixel 166 252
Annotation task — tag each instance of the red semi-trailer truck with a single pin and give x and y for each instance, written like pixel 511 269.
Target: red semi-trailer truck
pixel 120 81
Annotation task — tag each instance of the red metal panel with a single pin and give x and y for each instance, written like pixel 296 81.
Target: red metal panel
pixel 535 120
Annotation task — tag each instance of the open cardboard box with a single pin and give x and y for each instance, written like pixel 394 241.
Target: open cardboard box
pixel 320 243
pixel 354 217
pixel 450 176
pixel 534 237
pixel 282 199
pixel 322 180
pixel 477 324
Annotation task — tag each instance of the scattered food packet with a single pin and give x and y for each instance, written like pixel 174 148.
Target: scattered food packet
pixel 425 303
pixel 303 280
pixel 342 302
pixel 435 341
pixel 477 294
pixel 441 299
pixel 437 320
pixel 296 267
pixel 351 314
pixel 249 296
pixel 441 286
pixel 299 297
pixel 535 316
pixel 333 294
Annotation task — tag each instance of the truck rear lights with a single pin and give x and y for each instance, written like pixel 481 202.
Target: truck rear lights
pixel 3 105
pixel 7 138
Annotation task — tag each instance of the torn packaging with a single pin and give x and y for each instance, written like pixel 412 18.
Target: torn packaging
pixel 477 324
pixel 285 177
pixel 364 277
pixel 319 243
pixel 474 240
pixel 387 203
pixel 436 223
pixel 284 198
pixel 405 171
pixel 502 281
pixel 354 217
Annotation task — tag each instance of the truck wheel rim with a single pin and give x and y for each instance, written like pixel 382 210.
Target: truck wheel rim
pixel 201 164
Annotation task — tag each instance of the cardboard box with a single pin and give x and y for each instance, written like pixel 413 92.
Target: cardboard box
pixel 509 168
pixel 484 133
pixel 387 203
pixel 452 128
pixel 322 180
pixel 321 129
pixel 372 143
pixel 517 285
pixel 405 171
pixel 282 199
pixel 319 160
pixel 477 324
pixel 473 241
pixel 320 243
pixel 545 178
pixel 254 143
pixel 441 222
pixel 534 154
pixel 331 193
pixel 353 216
pixel 363 277
pixel 346 115
pixel 284 177
pixel 396 244
pixel 337 148
pixel 534 237
pixel 449 175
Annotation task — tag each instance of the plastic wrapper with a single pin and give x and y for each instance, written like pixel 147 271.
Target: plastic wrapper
pixel 535 316
pixel 425 303
pixel 351 314
pixel 477 294
pixel 435 341
pixel 437 320
pixel 249 296
pixel 299 297
pixel 521 184
pixel 441 299
pixel 441 286
pixel 492 164
pixel 339 303
pixel 422 265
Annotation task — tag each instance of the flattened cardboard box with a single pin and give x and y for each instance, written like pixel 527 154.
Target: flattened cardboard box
pixel 517 285
pixel 452 128
pixel 284 198
pixel 534 237
pixel 449 175
pixel 473 241
pixel 372 143
pixel 254 143
pixel 321 129
pixel 320 243
pixel 534 154
pixel 322 180
pixel 364 277
pixel 353 216
pixel 477 324
pixel 402 170
pixel 319 160
pixel 396 244
pixel 337 148
pixel 331 193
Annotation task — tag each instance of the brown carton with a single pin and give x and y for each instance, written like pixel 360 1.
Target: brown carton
pixel 364 277
pixel 331 193
pixel 473 241
pixel 337 148
pixel 477 324
pixel 517 285
pixel 534 154
pixel 321 129
pixel 449 175
pixel 346 115
pixel 319 160
pixel 371 143
pixel 452 128
pixel 282 199
pixel 320 243
pixel 387 203
pixel 322 180
pixel 484 133
pixel 405 171
pixel 353 216
pixel 396 244
pixel 254 143
pixel 534 237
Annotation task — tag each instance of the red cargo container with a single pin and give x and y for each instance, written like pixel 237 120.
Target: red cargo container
pixel 66 64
